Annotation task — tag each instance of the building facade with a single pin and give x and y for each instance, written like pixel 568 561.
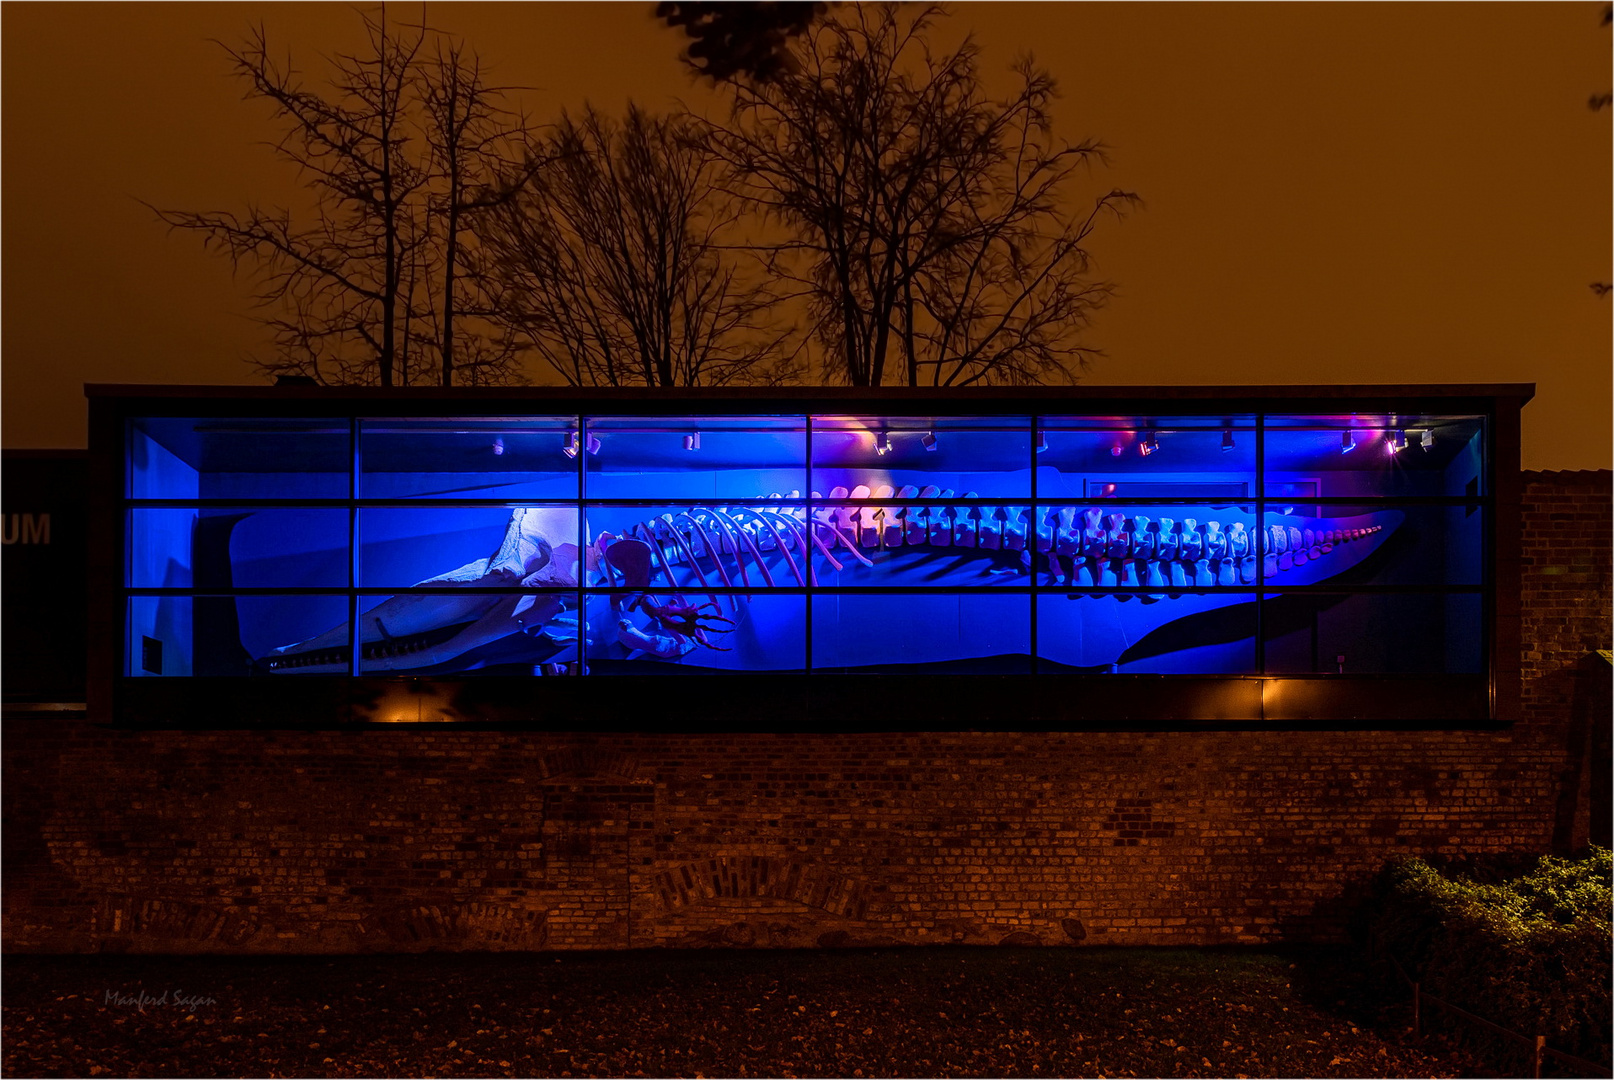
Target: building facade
pixel 480 671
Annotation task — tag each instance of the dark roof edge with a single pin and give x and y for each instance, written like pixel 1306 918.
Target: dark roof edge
pixel 1520 391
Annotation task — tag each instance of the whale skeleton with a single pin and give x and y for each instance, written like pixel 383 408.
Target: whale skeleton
pixel 733 550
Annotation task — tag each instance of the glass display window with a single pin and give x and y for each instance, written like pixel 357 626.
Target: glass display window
pixel 715 633
pixel 1142 457
pixel 450 632
pixel 1188 633
pixel 215 636
pixel 237 548
pixel 909 457
pixel 1126 544
pixel 468 458
pixel 1374 455
pixel 469 547
pixel 491 544
pixel 238 458
pixel 973 633
pixel 695 458
pixel 1410 544
pixel 1317 633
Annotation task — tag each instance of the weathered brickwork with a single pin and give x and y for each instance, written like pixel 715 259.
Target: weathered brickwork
pixel 415 839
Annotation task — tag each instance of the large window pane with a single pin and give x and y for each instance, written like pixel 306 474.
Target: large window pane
pixel 1170 546
pixel 1306 544
pixel 1363 455
pixel 486 547
pixel 1133 457
pixel 922 457
pixel 685 633
pixel 416 634
pixel 479 458
pixel 237 549
pixel 1374 634
pixel 235 635
pixel 956 633
pixel 1187 634
pixel 702 546
pixel 694 458
pixel 182 458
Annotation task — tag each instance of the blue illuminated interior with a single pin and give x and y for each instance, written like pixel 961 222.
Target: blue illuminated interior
pixel 583 545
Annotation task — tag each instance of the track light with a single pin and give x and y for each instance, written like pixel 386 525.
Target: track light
pixel 1116 450
pixel 569 447
pixel 1397 440
pixel 692 442
pixel 498 447
pixel 1426 440
pixel 1041 442
pixel 1150 444
pixel 1227 439
pixel 592 445
pixel 1347 441
pixel 882 443
pixel 928 440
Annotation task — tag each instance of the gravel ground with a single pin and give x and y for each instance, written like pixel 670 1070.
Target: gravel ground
pixel 857 1013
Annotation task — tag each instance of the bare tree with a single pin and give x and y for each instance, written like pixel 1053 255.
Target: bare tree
pixel 396 150
pixel 610 261
pixel 926 222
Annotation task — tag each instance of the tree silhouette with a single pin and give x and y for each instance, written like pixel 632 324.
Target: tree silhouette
pixel 924 221
pixel 398 150
pixel 609 262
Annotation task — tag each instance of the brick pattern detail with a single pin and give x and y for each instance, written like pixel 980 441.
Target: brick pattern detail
pixel 399 839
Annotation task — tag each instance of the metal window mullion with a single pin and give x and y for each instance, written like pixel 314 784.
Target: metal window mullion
pixel 1031 452
pixel 1260 533
pixel 581 501
pixel 807 602
pixel 355 466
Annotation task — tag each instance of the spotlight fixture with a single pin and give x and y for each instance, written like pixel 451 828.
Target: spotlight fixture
pixel 1347 441
pixel 1426 440
pixel 592 445
pixel 928 440
pixel 882 443
pixel 692 442
pixel 1116 450
pixel 1227 439
pixel 1397 440
pixel 569 447
pixel 1041 442
pixel 1151 443
pixel 498 447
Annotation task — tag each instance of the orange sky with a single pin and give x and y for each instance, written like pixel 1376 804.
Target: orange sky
pixel 1335 192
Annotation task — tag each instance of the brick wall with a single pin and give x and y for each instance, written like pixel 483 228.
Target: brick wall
pixel 406 839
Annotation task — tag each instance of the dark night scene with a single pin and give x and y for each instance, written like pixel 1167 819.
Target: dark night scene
pixel 825 539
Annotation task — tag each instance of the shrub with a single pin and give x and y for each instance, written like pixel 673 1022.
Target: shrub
pixel 1531 952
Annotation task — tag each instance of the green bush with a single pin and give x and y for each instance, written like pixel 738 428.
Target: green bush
pixel 1531 952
